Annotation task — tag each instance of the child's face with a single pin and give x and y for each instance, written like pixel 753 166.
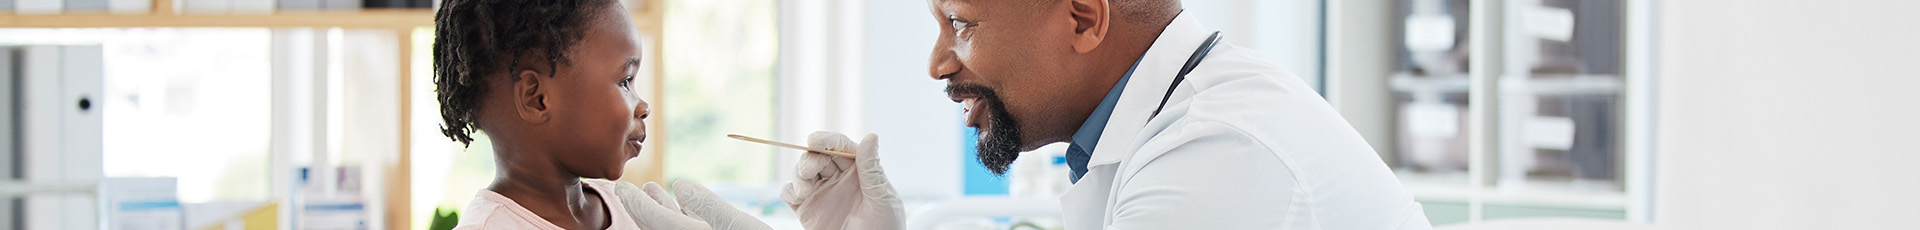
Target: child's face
pixel 596 111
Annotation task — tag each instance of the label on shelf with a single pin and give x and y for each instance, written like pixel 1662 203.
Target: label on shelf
pixel 1429 33
pixel 1548 22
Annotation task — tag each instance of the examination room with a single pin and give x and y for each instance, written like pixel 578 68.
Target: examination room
pixel 959 114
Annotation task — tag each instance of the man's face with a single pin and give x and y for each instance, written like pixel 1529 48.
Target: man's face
pixel 597 112
pixel 1006 61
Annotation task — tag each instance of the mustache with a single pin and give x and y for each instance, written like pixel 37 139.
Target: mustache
pixel 956 89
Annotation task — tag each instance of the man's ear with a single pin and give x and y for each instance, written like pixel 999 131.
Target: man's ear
pixel 1090 20
pixel 529 100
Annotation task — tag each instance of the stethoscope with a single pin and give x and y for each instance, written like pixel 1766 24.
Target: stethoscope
pixel 1192 61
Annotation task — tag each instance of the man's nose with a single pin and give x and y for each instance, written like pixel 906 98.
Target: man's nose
pixel 942 64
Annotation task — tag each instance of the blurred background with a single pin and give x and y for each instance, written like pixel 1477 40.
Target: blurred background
pixel 1529 114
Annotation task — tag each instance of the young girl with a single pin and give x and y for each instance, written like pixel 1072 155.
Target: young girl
pixel 549 81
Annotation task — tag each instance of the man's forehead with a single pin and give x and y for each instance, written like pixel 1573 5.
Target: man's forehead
pixel 1026 3
pixel 993 1
pixel 939 3
pixel 944 7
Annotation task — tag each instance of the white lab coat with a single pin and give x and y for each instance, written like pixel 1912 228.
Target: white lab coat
pixel 1241 144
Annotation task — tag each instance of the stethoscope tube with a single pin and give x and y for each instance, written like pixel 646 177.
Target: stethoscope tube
pixel 1192 61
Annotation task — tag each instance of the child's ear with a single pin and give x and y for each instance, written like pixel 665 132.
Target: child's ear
pixel 529 100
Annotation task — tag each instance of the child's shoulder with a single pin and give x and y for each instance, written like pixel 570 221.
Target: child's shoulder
pixel 616 204
pixel 598 184
pixel 609 194
pixel 490 210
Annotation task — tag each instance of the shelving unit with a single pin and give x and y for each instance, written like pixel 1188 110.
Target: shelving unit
pixel 647 16
pixel 1472 74
pixel 372 18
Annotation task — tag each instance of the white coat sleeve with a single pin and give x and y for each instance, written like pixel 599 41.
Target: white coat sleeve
pixel 1209 175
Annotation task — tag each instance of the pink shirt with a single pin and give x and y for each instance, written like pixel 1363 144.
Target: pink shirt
pixel 490 210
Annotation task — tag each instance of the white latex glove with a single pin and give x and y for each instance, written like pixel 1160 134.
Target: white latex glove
pixel 701 203
pixel 653 208
pixel 696 208
pixel 839 193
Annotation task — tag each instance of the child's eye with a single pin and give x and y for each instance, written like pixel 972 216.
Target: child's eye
pixel 632 68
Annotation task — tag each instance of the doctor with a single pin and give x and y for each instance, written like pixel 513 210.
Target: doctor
pixel 1170 126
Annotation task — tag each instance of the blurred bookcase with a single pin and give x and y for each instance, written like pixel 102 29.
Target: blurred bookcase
pixel 402 17
pixel 1496 109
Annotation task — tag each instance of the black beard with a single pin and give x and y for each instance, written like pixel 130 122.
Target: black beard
pixel 999 144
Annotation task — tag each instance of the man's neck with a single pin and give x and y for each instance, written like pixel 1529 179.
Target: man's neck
pixel 1131 42
pixel 1126 44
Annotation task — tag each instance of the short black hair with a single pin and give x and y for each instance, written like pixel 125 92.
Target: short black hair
pixel 1149 12
pixel 1133 11
pixel 476 40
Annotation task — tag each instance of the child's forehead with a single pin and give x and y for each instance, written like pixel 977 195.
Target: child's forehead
pixel 609 29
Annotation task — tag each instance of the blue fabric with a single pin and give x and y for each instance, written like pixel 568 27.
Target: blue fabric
pixel 1080 150
pixel 977 180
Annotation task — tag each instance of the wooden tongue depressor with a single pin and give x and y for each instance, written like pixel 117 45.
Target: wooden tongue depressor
pixel 791 146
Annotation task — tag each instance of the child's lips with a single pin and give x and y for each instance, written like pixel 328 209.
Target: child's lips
pixel 635 144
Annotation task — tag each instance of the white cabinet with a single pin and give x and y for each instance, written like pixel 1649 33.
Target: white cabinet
pixel 60 135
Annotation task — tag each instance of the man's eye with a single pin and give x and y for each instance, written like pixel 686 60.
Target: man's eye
pixel 959 24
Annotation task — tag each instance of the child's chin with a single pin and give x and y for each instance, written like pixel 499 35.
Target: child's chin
pixel 611 172
pixel 618 169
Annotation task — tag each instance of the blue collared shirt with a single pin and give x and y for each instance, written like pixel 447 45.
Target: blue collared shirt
pixel 1080 150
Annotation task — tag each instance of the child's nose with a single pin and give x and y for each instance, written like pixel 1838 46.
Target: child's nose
pixel 641 111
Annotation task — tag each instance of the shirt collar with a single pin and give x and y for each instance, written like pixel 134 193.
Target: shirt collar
pixel 1089 133
pixel 1155 68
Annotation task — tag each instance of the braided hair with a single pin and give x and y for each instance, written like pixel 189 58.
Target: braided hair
pixel 477 40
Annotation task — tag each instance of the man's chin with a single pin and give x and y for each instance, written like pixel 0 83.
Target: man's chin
pixel 997 148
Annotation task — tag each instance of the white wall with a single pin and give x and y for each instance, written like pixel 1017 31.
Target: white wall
pixel 1788 114
pixel 1285 30
pixel 919 127
pixel 1359 59
pixel 822 81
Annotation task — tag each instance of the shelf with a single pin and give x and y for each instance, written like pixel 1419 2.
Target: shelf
pixel 1547 85
pixel 16 188
pixel 396 18
pixel 1407 82
pixel 1586 84
pixel 395 198
pixel 1435 191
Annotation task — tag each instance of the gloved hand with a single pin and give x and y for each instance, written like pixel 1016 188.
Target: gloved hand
pixel 701 203
pixel 696 208
pixel 839 193
pixel 653 208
